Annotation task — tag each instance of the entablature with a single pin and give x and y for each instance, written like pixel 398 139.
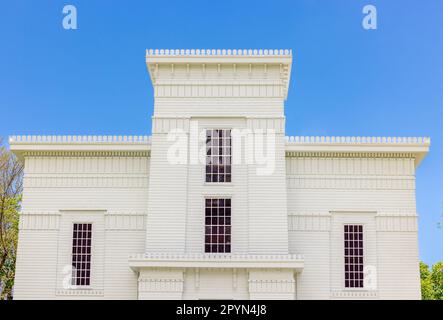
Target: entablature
pixel 54 145
pixel 235 261
pixel 353 147
pixel 199 72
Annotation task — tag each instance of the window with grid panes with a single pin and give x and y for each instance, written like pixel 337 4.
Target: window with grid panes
pixel 353 237
pixel 81 254
pixel 218 155
pixel 217 225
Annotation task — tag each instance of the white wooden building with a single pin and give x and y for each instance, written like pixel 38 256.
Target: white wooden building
pixel 217 203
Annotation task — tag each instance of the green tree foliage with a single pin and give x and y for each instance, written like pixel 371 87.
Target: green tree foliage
pixel 11 173
pixel 437 280
pixel 427 291
pixel 431 281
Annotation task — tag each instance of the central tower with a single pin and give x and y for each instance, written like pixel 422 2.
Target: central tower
pixel 217 189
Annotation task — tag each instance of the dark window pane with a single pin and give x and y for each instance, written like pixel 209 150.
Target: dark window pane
pixel 217 230
pixel 81 253
pixel 218 155
pixel 353 250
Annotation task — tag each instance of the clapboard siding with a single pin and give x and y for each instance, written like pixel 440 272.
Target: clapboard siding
pixel 36 265
pixel 119 281
pixel 314 281
pixel 398 268
pixel 325 193
pixel 62 190
pixel 207 107
pixel 143 199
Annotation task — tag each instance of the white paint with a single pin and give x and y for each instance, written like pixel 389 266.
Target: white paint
pixel 148 212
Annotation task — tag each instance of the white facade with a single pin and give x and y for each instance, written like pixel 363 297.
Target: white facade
pixel 146 204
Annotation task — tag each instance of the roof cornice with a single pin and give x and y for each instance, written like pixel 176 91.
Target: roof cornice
pixel 76 139
pixel 105 145
pixel 227 54
pixel 416 147
pixel 204 57
pixel 357 140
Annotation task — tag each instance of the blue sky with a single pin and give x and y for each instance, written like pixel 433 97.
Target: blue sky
pixel 345 80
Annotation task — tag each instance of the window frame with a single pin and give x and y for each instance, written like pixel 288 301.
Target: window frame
pixel 204 225
pixel 91 255
pixel 212 183
pixel 362 256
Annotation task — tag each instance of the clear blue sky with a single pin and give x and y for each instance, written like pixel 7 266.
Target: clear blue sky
pixel 345 80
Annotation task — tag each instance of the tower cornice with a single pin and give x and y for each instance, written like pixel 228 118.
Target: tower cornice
pixel 226 66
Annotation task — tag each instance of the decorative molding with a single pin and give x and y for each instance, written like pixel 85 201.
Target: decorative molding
pixel 92 166
pixel 344 154
pixel 353 147
pixel 218 52
pixel 360 294
pixel 160 285
pixel 165 125
pixel 354 167
pixel 90 181
pixel 79 139
pixel 309 221
pixel 396 223
pixel 75 146
pixel 271 286
pixel 392 221
pixel 397 213
pixel 217 257
pixel 163 66
pixel 217 261
pixel 79 292
pixel 80 153
pixel 125 221
pixel 353 183
pixel 39 220
pixel 357 140
pixel 228 90
pixel 263 124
